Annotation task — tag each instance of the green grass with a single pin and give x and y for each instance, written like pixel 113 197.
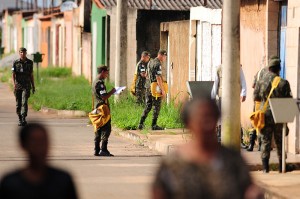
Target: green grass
pixel 5 74
pixel 126 114
pixel 56 72
pixel 58 89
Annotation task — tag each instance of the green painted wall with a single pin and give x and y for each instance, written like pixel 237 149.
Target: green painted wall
pixel 99 17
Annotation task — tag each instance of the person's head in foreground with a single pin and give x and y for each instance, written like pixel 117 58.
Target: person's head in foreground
pixel 34 141
pixel 202 168
pixel 103 72
pixel 37 179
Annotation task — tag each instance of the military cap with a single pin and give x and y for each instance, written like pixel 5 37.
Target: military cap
pixel 274 57
pixel 22 49
pixel 162 52
pixel 274 63
pixel 145 53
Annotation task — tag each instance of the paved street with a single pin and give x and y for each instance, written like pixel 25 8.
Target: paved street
pixel 127 175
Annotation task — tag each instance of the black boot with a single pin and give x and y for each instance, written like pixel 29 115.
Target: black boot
pixel 219 133
pixel 141 124
pixel 252 141
pixel 20 121
pixel 104 151
pixel 259 143
pixel 155 127
pixel 97 148
pixel 24 122
pixel 265 163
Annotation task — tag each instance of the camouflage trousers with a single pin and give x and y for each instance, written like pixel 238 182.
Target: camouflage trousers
pixel 152 102
pixel 266 139
pixel 22 96
pixel 102 134
pixel 140 95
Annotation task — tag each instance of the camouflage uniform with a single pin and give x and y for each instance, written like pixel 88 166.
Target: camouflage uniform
pixel 261 92
pixel 103 133
pixel 23 71
pixel 154 70
pixel 179 179
pixel 140 88
pixel 262 72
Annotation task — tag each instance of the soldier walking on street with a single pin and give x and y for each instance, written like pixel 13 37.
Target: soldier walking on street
pixel 259 75
pixel 141 71
pixel 101 97
pixel 23 81
pixel 155 75
pixel 261 93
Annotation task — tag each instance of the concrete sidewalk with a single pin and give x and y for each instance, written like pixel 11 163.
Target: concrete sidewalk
pixel 276 185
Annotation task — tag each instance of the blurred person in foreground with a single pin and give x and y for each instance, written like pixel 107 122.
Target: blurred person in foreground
pixel 37 179
pixel 202 168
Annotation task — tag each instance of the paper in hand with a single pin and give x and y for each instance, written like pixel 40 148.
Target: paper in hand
pixel 119 90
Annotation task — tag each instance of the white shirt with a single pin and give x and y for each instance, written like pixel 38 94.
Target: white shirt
pixel 215 88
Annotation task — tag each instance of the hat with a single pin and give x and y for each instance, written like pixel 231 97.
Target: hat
pixel 162 52
pixel 274 57
pixel 22 49
pixel 145 53
pixel 274 63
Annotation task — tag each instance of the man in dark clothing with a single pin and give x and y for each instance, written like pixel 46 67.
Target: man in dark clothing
pixel 101 97
pixel 261 93
pixel 37 179
pixel 154 75
pixel 141 72
pixel 22 75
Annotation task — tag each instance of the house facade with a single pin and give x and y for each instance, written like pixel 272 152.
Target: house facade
pixel 292 64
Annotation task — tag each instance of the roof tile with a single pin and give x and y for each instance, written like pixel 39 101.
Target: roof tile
pixel 165 4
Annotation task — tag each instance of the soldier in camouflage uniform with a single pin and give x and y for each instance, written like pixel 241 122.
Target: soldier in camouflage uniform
pixel 155 75
pixel 261 92
pixel 140 88
pixel 22 75
pixel 101 97
pixel 259 75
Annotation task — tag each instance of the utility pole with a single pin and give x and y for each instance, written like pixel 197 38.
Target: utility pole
pixel 231 116
pixel 121 45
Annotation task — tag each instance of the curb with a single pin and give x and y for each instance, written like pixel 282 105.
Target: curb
pixel 162 146
pixel 66 113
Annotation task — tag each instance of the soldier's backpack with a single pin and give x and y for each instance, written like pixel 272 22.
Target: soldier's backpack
pixel 257 118
pixel 100 116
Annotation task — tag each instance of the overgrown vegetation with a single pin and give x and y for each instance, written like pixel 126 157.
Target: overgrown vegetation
pixel 60 90
pixel 126 114
pixel 5 74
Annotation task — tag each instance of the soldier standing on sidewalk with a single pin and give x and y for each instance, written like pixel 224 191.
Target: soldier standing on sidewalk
pixel 22 75
pixel 101 97
pixel 261 92
pixel 155 75
pixel 140 88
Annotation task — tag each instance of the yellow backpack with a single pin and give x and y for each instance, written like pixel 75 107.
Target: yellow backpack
pixel 156 91
pixel 100 116
pixel 257 118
